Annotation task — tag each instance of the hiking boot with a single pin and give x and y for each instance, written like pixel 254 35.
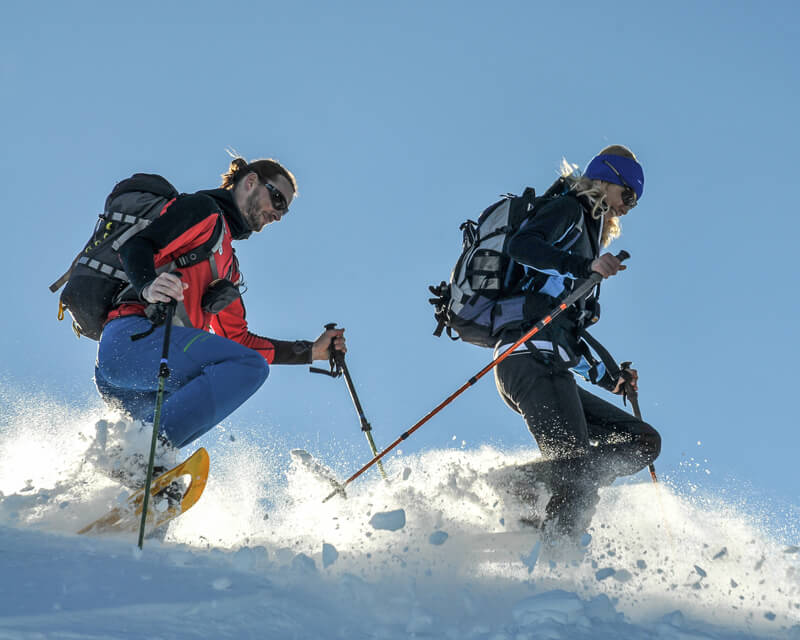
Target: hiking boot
pixel 173 492
pixel 570 510
pixel 134 477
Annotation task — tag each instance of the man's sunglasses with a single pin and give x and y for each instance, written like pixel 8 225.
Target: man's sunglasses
pixel 278 199
pixel 629 198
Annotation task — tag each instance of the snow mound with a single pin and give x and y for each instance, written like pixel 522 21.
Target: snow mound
pixel 436 551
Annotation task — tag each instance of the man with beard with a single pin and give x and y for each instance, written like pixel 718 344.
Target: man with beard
pixel 215 362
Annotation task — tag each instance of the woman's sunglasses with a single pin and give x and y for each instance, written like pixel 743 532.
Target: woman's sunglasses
pixel 629 198
pixel 278 199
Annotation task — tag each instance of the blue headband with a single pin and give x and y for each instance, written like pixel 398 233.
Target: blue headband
pixel 630 170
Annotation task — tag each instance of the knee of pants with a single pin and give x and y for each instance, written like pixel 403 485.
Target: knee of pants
pixel 573 473
pixel 255 371
pixel 651 444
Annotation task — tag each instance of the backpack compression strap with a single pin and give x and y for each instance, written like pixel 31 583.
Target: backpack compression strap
pixel 137 224
pixel 605 357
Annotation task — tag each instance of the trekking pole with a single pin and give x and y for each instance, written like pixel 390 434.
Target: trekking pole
pixel 633 395
pixel 581 291
pixel 163 374
pixel 338 368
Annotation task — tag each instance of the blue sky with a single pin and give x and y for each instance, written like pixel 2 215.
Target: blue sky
pixel 400 121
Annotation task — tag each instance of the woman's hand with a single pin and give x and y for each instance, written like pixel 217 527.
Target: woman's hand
pixel 608 265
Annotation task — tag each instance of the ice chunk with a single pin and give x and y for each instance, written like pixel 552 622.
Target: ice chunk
pixel 556 606
pixel 700 571
pixel 438 537
pixel 329 555
pixel 530 560
pixel 301 562
pixel 250 558
pixel 389 520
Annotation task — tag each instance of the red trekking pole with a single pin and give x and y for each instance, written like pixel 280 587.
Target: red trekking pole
pixel 581 291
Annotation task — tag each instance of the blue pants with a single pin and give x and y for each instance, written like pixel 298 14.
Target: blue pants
pixel 210 376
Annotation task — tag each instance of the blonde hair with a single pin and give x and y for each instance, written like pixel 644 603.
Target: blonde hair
pixel 595 191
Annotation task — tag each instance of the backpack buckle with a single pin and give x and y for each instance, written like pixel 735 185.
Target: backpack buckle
pixel 440 303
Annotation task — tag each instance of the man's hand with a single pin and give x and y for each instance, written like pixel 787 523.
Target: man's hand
pixel 321 348
pixel 608 265
pixel 165 288
pixel 633 377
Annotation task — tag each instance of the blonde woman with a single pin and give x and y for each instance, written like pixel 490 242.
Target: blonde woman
pixel 585 441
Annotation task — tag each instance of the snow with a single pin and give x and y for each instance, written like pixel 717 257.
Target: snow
pixel 433 553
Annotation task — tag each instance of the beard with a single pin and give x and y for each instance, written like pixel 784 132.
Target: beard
pixel 252 213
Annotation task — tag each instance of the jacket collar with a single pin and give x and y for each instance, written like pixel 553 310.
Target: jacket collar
pixel 233 216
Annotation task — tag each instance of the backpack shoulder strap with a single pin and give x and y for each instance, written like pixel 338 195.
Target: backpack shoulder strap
pixel 605 357
pixel 206 250
pixel 522 206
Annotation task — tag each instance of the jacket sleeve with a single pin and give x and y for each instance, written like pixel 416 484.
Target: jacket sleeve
pixel 186 223
pixel 533 244
pixel 231 323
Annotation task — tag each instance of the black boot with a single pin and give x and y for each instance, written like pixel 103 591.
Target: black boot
pixel 574 498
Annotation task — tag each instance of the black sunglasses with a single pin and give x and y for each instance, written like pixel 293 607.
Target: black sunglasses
pixel 278 199
pixel 629 198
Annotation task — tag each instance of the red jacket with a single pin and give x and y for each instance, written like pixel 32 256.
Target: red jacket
pixel 188 223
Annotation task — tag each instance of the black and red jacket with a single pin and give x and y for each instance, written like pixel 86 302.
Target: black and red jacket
pixel 186 223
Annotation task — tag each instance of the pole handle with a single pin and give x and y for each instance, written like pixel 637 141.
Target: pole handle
pixel 336 359
pixel 337 356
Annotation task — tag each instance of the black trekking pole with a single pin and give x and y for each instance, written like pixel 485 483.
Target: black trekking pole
pixel 163 374
pixel 631 394
pixel 338 368
pixel 578 293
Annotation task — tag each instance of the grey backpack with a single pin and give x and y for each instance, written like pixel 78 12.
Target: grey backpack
pixel 477 303
pixel 96 281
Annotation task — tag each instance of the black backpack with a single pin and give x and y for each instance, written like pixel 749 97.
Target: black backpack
pixel 479 302
pixel 96 281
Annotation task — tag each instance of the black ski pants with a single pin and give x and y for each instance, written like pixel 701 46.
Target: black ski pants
pixel 586 442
